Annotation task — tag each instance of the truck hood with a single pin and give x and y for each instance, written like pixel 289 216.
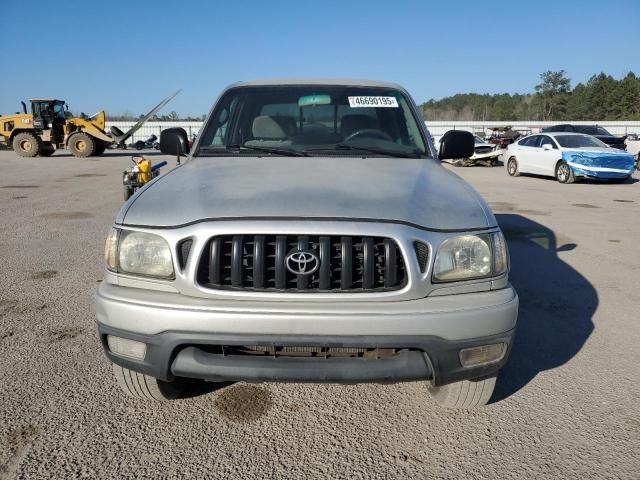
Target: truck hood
pixel 414 191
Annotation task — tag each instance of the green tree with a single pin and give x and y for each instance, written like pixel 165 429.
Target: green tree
pixel 597 103
pixel 504 108
pixel 552 95
pixel 624 99
pixel 577 103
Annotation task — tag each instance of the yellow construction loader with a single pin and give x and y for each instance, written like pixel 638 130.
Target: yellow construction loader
pixel 50 126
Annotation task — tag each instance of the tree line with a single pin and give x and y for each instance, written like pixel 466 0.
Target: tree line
pixel 601 98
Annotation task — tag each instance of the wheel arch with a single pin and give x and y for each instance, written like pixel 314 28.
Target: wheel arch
pixel 16 131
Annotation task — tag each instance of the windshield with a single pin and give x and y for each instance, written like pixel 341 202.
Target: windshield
pixel 579 141
pixel 591 130
pixel 312 120
pixel 58 110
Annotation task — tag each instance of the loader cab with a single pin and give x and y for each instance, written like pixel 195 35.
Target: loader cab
pixel 47 113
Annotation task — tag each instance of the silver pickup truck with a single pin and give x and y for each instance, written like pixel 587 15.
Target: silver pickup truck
pixel 311 235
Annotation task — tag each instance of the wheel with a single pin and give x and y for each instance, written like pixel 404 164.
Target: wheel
pixel 82 145
pixel 27 144
pixel 139 145
pixel 100 147
pixel 128 191
pixel 47 150
pixel 512 167
pixel 139 385
pixel 564 173
pixel 464 394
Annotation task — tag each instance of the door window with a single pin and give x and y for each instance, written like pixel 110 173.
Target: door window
pixel 547 139
pixel 532 141
pixel 527 142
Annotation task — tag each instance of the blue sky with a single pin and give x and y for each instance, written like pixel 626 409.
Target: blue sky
pixel 126 55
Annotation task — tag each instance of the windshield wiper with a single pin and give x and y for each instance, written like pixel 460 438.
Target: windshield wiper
pixel 381 151
pixel 278 151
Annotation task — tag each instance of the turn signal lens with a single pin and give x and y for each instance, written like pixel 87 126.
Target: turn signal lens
pixel 111 250
pixel 500 256
pixel 124 347
pixel 470 357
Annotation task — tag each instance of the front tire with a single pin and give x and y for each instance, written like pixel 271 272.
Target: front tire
pixel 82 145
pixel 128 192
pixel 27 144
pixel 47 150
pixel 464 394
pixel 100 147
pixel 564 173
pixel 512 167
pixel 141 386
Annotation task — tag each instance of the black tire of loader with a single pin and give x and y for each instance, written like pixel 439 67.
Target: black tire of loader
pixel 27 139
pixel 89 142
pixel 100 147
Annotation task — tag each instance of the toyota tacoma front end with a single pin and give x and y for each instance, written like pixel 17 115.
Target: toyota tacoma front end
pixel 311 236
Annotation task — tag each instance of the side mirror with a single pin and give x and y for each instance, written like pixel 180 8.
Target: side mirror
pixel 456 144
pixel 173 141
pixel 567 247
pixel 547 146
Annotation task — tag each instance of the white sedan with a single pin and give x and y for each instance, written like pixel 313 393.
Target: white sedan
pixel 567 156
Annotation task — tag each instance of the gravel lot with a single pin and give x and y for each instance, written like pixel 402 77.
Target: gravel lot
pixel 566 406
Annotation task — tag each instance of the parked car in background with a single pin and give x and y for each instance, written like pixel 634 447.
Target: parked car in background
pixel 504 136
pixel 632 144
pixel 485 153
pixel 614 141
pixel 567 156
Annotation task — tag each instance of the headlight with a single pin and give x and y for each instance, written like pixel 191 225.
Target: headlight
pixel 470 257
pixel 138 253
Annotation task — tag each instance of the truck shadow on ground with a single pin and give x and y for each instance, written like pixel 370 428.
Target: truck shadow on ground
pixel 557 304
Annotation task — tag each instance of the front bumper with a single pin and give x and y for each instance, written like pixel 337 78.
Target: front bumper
pixel 179 332
pixel 602 174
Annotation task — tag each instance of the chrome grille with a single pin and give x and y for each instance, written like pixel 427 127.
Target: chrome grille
pixel 480 150
pixel 257 263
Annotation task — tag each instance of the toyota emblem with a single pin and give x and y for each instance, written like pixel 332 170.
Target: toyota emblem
pixel 302 262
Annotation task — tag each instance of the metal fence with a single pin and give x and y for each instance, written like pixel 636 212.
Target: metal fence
pixel 440 127
pixel 154 128
pixel 436 128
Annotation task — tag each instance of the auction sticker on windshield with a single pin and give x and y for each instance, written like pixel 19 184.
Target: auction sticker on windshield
pixel 389 102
